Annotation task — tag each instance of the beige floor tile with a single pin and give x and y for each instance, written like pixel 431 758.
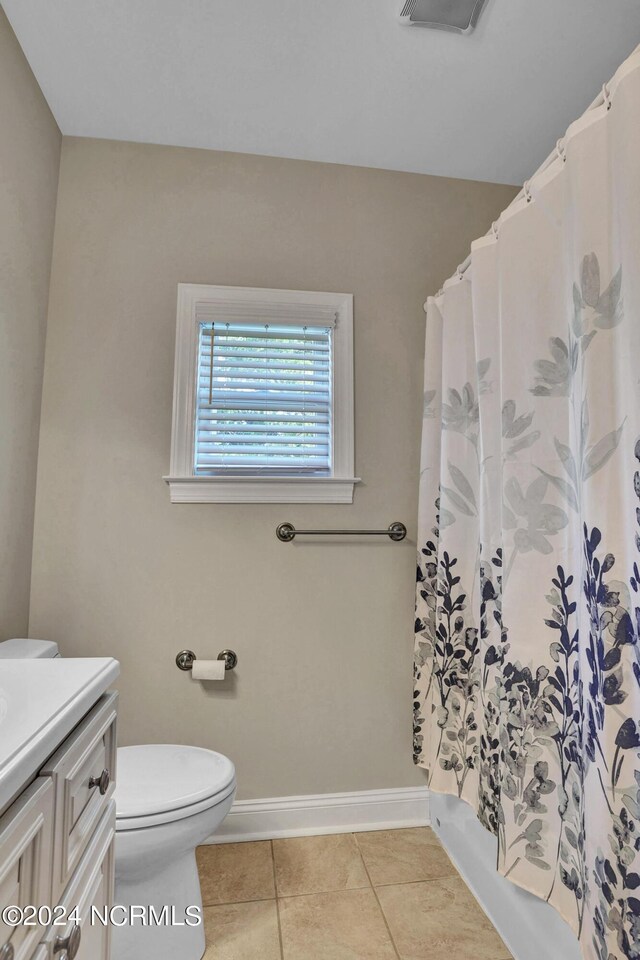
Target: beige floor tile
pixel 401 856
pixel 439 919
pixel 318 865
pixel 346 925
pixel 235 872
pixel 242 931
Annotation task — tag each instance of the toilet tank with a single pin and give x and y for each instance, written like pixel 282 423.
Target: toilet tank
pixel 23 649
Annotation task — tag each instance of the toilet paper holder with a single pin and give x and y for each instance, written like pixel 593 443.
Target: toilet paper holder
pixel 184 660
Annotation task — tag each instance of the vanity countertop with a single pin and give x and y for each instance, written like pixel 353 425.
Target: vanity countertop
pixel 41 701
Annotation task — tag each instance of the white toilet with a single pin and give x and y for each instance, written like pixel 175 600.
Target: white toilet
pixel 169 799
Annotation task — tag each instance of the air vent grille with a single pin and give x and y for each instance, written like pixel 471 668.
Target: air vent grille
pixel 461 16
pixel 408 8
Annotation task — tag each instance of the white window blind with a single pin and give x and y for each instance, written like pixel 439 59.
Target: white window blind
pixel 263 399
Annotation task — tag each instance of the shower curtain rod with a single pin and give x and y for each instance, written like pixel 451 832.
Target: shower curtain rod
pixel 599 100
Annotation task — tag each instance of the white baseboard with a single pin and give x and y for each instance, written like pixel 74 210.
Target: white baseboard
pixel 325 813
pixel 530 928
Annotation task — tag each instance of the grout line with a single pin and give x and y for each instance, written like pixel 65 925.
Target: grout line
pixel 375 893
pixel 405 883
pixel 320 893
pixel 275 887
pixel 273 866
pixel 230 903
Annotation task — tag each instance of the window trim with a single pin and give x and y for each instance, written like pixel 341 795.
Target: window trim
pixel 184 486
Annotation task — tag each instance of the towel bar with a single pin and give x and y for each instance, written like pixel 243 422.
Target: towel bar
pixel 286 532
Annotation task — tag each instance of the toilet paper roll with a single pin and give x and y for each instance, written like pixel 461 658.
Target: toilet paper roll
pixel 208 670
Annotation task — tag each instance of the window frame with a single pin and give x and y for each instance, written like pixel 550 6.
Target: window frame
pixel 184 485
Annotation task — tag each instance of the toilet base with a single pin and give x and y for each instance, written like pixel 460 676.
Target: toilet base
pixel 156 868
pixel 171 936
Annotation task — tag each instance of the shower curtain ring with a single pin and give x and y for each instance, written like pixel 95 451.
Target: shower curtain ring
pixel 527 191
pixel 560 150
pixel 606 93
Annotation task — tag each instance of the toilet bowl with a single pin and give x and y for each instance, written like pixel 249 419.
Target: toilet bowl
pixel 169 799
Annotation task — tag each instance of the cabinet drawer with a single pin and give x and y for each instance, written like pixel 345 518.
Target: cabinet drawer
pixel 80 798
pixel 90 886
pixel 26 831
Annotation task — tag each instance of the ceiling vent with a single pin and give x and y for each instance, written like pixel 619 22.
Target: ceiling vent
pixel 460 16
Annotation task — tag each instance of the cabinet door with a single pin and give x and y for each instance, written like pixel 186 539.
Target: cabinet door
pixel 41 953
pixel 90 887
pixel 83 771
pixel 25 862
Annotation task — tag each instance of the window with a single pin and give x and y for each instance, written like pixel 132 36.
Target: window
pixel 263 405
pixel 263 397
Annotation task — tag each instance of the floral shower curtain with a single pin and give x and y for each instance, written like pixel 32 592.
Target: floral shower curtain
pixel 527 689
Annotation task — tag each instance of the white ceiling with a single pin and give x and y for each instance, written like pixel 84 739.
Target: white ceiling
pixel 334 80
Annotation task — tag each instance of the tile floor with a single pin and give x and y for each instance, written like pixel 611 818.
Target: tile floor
pixel 388 895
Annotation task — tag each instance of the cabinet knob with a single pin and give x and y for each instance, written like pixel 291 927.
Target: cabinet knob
pixel 102 782
pixel 7 952
pixel 70 944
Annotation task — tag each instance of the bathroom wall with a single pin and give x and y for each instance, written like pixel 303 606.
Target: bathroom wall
pixel 29 162
pixel 320 701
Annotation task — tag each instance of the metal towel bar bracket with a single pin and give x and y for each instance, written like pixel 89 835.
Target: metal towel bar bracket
pixel 286 532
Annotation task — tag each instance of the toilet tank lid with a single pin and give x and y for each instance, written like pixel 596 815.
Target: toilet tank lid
pixel 25 649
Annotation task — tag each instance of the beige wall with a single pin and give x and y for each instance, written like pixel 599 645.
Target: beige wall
pixel 29 161
pixel 320 701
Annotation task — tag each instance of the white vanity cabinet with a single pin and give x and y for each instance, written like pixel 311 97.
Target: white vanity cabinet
pixel 83 775
pixel 57 839
pixel 26 847
pixel 91 886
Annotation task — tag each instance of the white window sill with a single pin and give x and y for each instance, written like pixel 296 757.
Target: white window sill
pixel 261 489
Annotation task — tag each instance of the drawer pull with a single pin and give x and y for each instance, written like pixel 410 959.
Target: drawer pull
pixel 102 782
pixel 7 952
pixel 71 943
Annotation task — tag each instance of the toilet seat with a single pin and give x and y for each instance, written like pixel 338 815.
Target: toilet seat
pixel 162 783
